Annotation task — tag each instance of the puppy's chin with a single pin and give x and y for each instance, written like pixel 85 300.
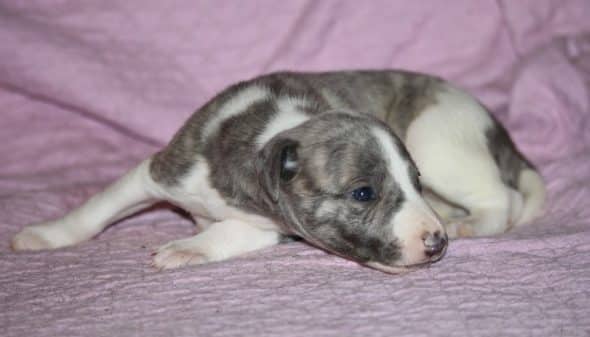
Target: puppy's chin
pixel 396 270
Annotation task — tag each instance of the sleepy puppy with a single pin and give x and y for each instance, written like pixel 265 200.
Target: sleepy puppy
pixel 380 167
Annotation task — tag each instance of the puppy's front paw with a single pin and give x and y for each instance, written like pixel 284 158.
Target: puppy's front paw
pixel 177 254
pixel 459 230
pixel 30 238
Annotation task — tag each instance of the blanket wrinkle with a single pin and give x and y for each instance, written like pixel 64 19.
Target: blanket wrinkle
pixel 90 115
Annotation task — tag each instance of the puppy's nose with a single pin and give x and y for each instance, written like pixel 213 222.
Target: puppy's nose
pixel 434 244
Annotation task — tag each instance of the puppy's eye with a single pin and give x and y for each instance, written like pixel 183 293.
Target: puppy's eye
pixel 416 182
pixel 364 194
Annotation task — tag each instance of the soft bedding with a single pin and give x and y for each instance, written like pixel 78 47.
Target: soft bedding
pixel 89 88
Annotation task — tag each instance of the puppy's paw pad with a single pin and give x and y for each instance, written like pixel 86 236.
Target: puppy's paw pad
pixel 29 239
pixel 172 256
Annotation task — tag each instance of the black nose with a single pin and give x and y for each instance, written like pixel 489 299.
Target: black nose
pixel 434 243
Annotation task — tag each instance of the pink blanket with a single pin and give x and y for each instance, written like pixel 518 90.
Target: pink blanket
pixel 89 88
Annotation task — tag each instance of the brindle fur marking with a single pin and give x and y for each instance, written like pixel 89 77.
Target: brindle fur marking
pixel 508 158
pixel 372 92
pixel 396 98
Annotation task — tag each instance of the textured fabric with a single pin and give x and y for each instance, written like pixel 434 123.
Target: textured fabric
pixel 89 88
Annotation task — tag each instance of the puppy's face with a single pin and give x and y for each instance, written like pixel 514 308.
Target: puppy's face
pixel 345 183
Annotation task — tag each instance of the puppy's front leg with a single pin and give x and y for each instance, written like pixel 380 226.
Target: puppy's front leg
pixel 220 241
pixel 129 194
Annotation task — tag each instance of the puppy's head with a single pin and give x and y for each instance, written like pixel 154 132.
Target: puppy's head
pixel 345 183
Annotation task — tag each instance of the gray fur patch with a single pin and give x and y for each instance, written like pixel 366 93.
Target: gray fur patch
pixel 179 156
pixel 231 153
pixel 412 94
pixel 335 150
pixel 508 158
pixel 337 155
pixel 395 97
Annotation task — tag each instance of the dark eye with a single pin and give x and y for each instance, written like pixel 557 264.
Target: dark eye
pixel 416 182
pixel 364 194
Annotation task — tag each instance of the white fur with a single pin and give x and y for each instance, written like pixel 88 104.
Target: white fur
pixel 218 242
pixel 415 218
pixel 227 231
pixel 447 142
pixel 288 116
pixel 196 195
pixel 235 105
pixel 411 224
pixel 531 185
pixel 398 166
pixel 131 193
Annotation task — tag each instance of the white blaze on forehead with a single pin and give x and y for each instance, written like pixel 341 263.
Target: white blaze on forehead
pixel 415 217
pixel 235 105
pixel 399 167
pixel 287 117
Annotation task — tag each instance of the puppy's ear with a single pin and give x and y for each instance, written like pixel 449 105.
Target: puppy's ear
pixel 277 163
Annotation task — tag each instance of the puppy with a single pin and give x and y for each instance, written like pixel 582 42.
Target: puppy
pixel 380 167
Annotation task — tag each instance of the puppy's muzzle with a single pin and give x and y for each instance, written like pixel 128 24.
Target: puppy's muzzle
pixel 435 245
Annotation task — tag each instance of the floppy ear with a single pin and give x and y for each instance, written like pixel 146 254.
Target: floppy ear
pixel 277 163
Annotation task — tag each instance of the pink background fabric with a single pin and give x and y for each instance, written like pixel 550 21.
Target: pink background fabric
pixel 89 88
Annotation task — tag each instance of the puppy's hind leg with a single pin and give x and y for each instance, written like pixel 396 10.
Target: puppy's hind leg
pixel 450 144
pixel 220 241
pixel 131 193
pixel 477 188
